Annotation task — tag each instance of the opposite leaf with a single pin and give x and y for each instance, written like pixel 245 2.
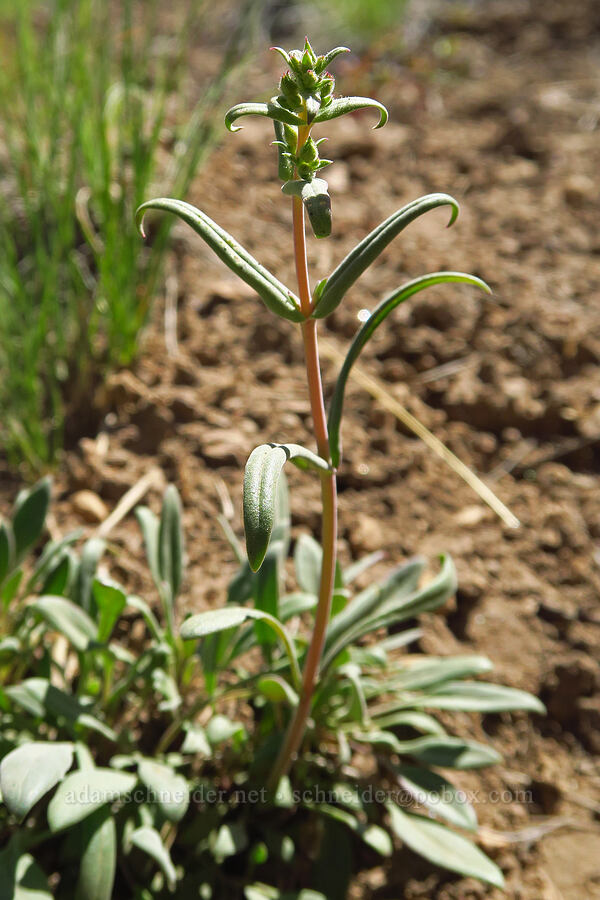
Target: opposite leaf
pixel 270 110
pixel 344 105
pixel 273 294
pixel 261 479
pixel 361 257
pixel 30 771
pixel 379 314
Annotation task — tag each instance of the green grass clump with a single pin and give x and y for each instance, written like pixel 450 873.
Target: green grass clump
pixel 89 93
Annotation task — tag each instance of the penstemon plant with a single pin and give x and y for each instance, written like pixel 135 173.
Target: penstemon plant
pixel 305 101
pixel 336 752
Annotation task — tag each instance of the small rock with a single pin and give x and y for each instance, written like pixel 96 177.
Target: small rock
pixel 579 190
pixel 366 535
pixel 223 447
pixel 89 506
pixel 471 515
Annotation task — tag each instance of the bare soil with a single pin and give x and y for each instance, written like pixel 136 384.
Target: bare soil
pixel 499 106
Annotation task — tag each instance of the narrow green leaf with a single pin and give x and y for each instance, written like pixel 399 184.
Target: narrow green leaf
pixel 110 600
pixel 168 789
pixel 274 295
pixel 230 617
pixel 375 319
pixel 356 569
pixel 43 700
pixel 277 690
pixel 436 750
pixel 285 165
pixel 10 587
pixel 99 859
pixel 6 549
pixel 195 740
pixel 170 541
pixel 307 563
pixel 443 847
pixel 228 840
pixel 30 771
pixel 220 729
pixel 165 685
pixel 60 576
pixel 150 526
pixel 66 617
pixel 406 718
pixel 317 202
pixel 150 842
pixel 270 110
pixel 20 876
pixel 90 556
pixel 325 61
pixel 438 795
pixel 425 673
pixel 401 582
pixel 296 604
pixel 261 480
pixel 51 552
pixel 361 257
pixel 30 515
pixel 343 105
pixel 81 793
pixel 372 835
pixel 477 696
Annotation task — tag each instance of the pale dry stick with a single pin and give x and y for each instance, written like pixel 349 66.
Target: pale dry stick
pixel 490 838
pixel 379 392
pixel 151 479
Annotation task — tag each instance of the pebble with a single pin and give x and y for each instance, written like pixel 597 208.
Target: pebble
pixel 89 506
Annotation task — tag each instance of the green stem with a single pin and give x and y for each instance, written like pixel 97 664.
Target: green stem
pixel 297 726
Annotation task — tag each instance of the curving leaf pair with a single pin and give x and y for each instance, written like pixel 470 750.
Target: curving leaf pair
pixel 273 110
pixel 261 479
pixel 272 292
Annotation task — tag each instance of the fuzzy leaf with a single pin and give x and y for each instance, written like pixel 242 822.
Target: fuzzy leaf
pixel 110 600
pixel 441 751
pixel 30 771
pixel 90 555
pixel 168 789
pixel 261 480
pixel 30 515
pixel 270 110
pixel 48 557
pixel 230 617
pixel 150 526
pixel 81 793
pixel 344 105
pixel 277 690
pixel 273 294
pixel 170 543
pixel 6 549
pixel 99 860
pixel 315 197
pixel 67 618
pixel 443 847
pixel 375 319
pixel 150 842
pixel 477 696
pixel 361 257
pixel 372 835
pixel 438 795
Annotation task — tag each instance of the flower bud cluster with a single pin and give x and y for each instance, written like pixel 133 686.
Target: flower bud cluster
pixel 305 89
